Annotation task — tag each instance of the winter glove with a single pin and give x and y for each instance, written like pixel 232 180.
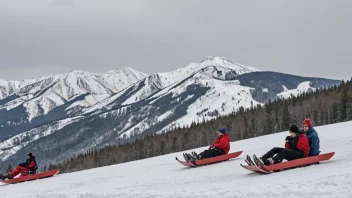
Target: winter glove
pixel 288 139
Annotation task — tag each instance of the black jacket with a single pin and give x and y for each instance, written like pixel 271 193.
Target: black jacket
pixel 28 163
pixel 292 143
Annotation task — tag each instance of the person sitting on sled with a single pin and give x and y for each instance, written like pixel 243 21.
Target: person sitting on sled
pixel 296 146
pixel 220 146
pixel 30 166
pixel 312 136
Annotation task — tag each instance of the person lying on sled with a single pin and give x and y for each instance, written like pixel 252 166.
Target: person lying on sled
pixel 296 146
pixel 220 146
pixel 29 166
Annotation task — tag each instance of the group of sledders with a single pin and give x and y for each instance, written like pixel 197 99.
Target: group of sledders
pixel 299 144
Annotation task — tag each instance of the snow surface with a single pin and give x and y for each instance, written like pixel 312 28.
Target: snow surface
pixel 164 177
pixel 301 88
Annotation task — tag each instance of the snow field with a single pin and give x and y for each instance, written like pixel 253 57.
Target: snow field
pixel 163 176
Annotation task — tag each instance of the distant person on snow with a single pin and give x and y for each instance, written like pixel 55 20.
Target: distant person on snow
pixel 296 146
pixel 30 166
pixel 220 146
pixel 312 136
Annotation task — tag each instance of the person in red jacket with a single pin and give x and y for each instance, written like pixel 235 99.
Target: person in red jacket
pixel 30 166
pixel 296 146
pixel 220 146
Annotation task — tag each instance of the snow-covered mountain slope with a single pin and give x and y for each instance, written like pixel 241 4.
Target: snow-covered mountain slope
pixel 9 87
pixel 301 88
pixel 271 85
pixel 58 96
pixel 163 176
pixel 17 142
pixel 222 63
pixel 217 68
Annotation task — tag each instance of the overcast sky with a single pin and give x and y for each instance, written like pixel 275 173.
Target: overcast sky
pixel 41 37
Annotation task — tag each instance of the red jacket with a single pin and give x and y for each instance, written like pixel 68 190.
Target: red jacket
pixel 222 142
pixel 301 143
pixel 30 163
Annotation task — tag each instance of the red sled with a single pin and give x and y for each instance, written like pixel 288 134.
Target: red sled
pixel 210 160
pixel 291 164
pixel 31 177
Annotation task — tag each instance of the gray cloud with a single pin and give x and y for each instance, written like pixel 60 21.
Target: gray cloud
pixel 309 38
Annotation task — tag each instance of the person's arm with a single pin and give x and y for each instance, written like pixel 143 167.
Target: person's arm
pixel 314 142
pixel 24 164
pixel 222 144
pixel 288 142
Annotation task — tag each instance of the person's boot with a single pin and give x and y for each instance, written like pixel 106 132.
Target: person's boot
pixel 185 156
pixel 268 161
pixel 2 177
pixel 8 176
pixel 194 153
pixel 196 156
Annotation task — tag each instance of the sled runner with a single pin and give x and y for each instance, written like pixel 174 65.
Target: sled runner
pixel 210 160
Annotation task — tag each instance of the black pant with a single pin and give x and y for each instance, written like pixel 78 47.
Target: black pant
pixel 211 153
pixel 282 153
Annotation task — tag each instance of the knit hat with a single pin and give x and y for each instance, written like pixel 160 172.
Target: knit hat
pixel 30 155
pixel 294 129
pixel 307 122
pixel 222 130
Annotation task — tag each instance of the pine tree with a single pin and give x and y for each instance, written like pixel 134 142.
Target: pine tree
pixel 268 120
pixel 285 117
pixel 335 113
pixel 343 103
pixel 315 116
pixel 9 168
pixel 349 109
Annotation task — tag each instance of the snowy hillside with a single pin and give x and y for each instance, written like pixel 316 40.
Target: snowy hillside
pixel 301 88
pixel 163 176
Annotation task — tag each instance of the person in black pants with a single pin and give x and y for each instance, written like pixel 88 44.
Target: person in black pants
pixel 220 146
pixel 296 146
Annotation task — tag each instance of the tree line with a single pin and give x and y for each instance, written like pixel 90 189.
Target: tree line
pixel 323 106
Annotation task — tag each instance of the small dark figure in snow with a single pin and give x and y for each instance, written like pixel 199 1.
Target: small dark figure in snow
pixel 296 146
pixel 220 146
pixel 27 167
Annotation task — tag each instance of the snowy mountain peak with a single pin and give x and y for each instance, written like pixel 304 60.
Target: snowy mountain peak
pixel 225 62
pixel 78 72
pixel 127 71
pixel 216 67
pixel 216 60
